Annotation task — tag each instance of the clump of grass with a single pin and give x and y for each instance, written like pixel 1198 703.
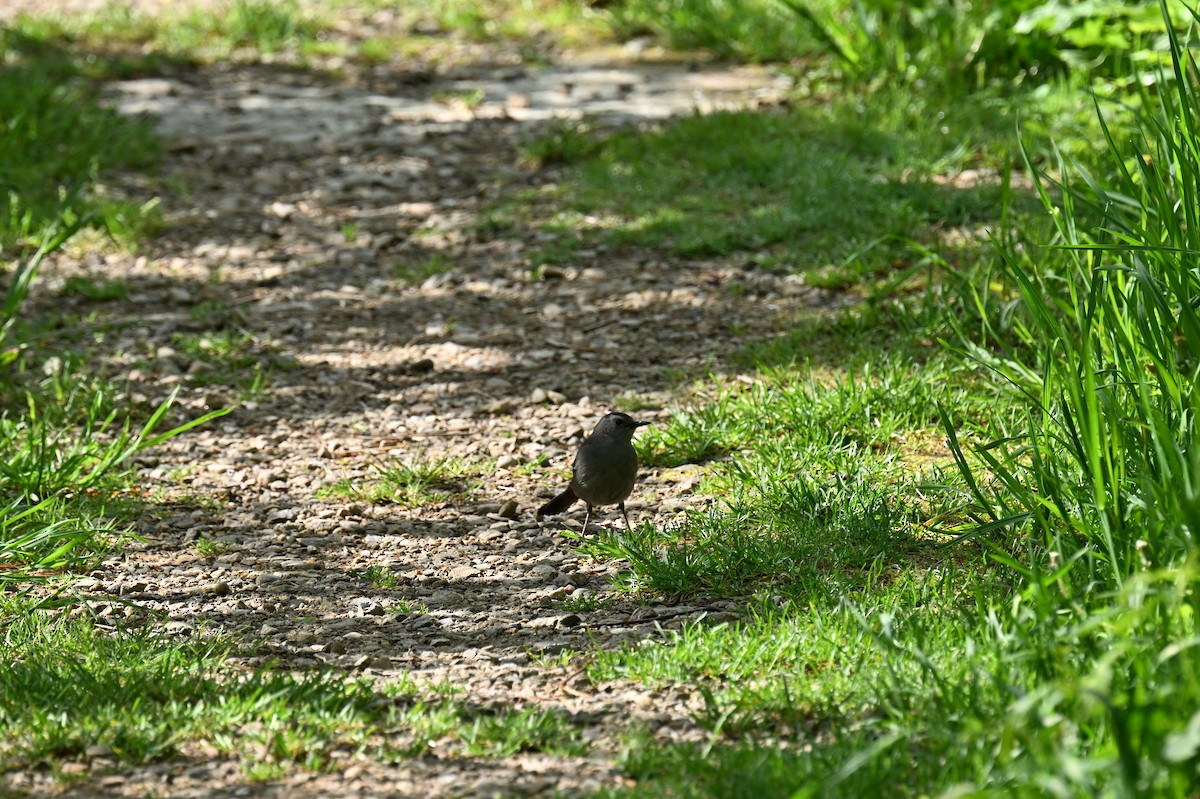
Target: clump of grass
pixel 1101 340
pixel 44 539
pixel 812 541
pixel 692 437
pixel 267 27
pixel 750 30
pixel 421 482
pixel 69 686
pixel 60 142
pixel 418 271
pixel 532 467
pixel 96 290
pixel 562 141
pixel 380 576
pixel 66 460
pixel 209 547
pixel 530 730
pixel 229 348
pixel 229 355
pixel 468 98
pixel 672 187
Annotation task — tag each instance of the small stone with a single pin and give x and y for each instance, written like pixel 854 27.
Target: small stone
pixel 98 750
pixel 507 461
pixel 509 509
pixel 445 597
pixel 463 572
pixel 335 648
pixel 540 395
pixel 281 210
pixel 548 647
pixel 179 294
pixel 498 406
pixel 377 662
pixel 368 606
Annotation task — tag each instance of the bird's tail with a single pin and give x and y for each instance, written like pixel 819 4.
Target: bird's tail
pixel 557 505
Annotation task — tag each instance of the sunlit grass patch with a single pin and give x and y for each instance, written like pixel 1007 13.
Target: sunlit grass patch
pixel 421 481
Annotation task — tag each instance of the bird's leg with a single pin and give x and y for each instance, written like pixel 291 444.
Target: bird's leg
pixel 628 528
pixel 587 518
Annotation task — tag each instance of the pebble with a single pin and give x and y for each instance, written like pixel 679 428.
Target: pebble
pixel 179 295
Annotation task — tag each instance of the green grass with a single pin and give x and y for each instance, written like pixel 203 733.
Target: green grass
pixel 929 687
pixel 838 186
pixel 561 141
pixel 60 143
pixel 820 485
pixel 1045 650
pixel 380 576
pixel 70 686
pixel 118 41
pixel 228 356
pixel 934 46
pixel 66 472
pixel 423 481
pixel 743 30
pixel 417 271
pixel 179 37
pixel 209 548
pixel 96 290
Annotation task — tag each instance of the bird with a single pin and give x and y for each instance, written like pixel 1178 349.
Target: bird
pixel 604 471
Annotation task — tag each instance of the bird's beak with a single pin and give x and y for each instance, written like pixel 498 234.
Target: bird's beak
pixel 640 424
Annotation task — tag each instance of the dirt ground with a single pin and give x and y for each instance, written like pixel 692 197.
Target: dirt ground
pixel 299 196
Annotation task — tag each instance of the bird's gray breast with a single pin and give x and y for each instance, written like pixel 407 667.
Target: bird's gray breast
pixel 605 471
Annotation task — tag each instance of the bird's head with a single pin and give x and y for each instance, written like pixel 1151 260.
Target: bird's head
pixel 620 424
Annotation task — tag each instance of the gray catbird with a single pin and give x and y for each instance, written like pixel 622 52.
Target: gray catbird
pixel 604 471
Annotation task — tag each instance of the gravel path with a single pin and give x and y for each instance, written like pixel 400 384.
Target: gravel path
pixel 479 362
